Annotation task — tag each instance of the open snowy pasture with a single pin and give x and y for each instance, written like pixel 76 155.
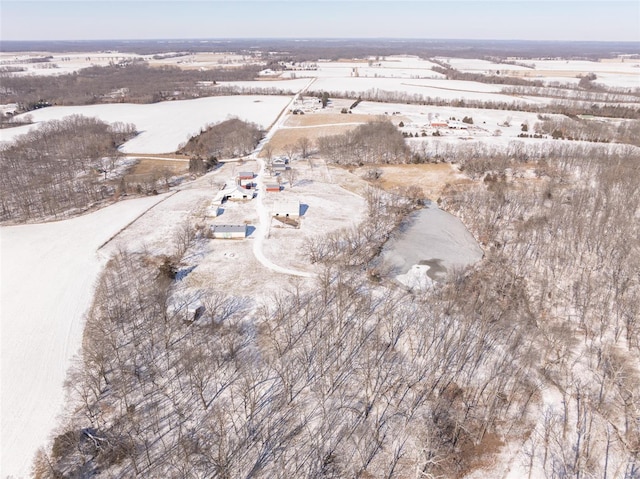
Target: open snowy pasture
pixel 419 88
pixel 47 272
pixel 267 86
pixel 60 63
pixel 165 126
pixel 49 64
pixel 476 65
pixel 395 66
pixel 419 117
pixel 615 73
pixel 199 60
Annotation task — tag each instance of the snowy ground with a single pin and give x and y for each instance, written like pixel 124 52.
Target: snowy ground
pixel 164 126
pixel 70 62
pixel 47 275
pixel 395 66
pixel 60 63
pixel 427 88
pixel 621 73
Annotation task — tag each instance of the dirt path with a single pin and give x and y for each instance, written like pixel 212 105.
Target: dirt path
pixel 262 228
pixel 161 158
pixel 351 123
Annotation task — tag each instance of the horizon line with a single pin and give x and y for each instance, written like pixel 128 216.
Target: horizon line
pixel 231 39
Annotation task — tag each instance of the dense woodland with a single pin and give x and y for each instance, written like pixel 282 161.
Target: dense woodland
pixel 133 82
pixel 572 242
pixel 59 168
pixel 227 139
pixel 373 142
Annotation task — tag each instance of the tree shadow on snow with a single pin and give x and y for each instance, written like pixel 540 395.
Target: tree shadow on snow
pixel 183 273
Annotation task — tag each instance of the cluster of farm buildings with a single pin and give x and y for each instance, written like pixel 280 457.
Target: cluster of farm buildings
pixel 243 188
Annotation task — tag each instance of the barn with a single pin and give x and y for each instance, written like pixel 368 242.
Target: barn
pixel 272 187
pixel 286 209
pixel 245 178
pixel 229 231
pixel 233 192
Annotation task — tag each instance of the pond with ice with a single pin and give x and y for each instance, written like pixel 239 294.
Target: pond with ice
pixel 430 244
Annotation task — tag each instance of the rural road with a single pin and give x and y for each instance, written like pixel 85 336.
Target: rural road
pixel 262 228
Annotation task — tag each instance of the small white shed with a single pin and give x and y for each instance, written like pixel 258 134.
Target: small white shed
pixel 286 209
pixel 229 231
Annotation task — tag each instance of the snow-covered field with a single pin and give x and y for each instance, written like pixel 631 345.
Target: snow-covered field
pixel 616 73
pixel 476 65
pixel 70 62
pixel 292 85
pixel 164 126
pixel 60 63
pixel 432 88
pixel 46 284
pixel 396 66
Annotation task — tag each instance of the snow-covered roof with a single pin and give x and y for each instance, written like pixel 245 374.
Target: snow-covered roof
pixel 233 191
pixel 286 208
pixel 229 228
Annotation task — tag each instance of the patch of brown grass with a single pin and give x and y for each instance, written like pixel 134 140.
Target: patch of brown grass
pixel 431 178
pixel 329 118
pixel 289 136
pixel 160 167
pixel 481 456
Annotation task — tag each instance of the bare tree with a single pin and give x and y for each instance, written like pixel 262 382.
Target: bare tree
pixel 291 174
pixel 303 144
pixel 290 151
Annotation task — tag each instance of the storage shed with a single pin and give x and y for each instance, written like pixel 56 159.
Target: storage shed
pixel 287 209
pixel 273 187
pixel 245 178
pixel 229 231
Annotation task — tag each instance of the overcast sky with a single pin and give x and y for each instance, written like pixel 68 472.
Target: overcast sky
pixel 437 19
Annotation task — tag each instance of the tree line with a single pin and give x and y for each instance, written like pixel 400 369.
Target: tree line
pixel 135 82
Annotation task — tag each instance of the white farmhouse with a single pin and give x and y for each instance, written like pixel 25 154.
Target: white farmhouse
pixel 233 192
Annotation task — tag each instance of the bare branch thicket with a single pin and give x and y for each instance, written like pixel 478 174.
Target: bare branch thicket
pixel 228 139
pixel 373 142
pixel 58 168
pixel 572 244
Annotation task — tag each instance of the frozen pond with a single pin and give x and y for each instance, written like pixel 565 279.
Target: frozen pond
pixel 431 244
